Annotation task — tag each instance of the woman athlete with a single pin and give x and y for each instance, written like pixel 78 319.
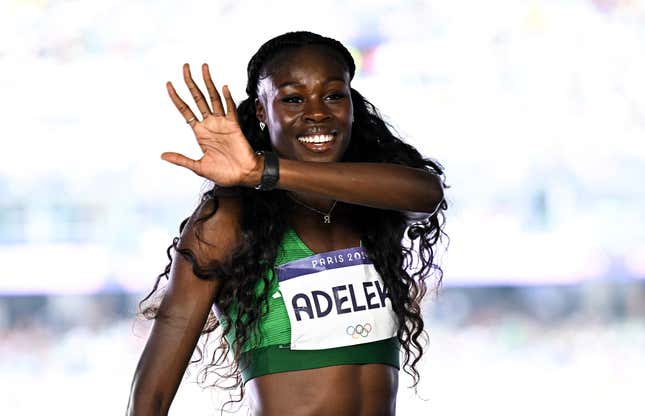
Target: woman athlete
pixel 296 252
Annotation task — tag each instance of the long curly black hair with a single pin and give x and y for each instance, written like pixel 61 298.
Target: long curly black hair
pixel 265 220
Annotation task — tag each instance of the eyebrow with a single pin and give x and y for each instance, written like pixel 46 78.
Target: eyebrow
pixel 296 84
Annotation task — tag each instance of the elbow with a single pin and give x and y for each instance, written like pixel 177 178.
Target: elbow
pixel 436 196
pixel 437 203
pixel 144 406
pixel 432 196
pixel 436 208
pixel 422 214
pixel 430 205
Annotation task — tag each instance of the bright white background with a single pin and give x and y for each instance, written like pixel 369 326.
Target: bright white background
pixel 536 109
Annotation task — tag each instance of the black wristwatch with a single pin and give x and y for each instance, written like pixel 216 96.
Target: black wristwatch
pixel 271 172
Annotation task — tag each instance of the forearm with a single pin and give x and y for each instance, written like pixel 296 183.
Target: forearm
pixel 377 185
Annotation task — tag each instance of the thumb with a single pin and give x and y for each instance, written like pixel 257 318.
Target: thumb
pixel 181 160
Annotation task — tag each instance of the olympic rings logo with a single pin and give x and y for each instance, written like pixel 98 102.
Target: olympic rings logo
pixel 359 330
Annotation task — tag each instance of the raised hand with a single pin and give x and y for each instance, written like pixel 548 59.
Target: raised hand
pixel 228 159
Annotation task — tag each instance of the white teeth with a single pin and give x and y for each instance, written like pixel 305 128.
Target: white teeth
pixel 318 138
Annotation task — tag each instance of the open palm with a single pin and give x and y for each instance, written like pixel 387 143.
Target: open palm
pixel 228 158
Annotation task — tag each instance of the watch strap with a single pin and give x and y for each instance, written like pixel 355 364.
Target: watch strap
pixel 271 171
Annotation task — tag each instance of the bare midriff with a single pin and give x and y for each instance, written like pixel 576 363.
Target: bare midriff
pixel 342 390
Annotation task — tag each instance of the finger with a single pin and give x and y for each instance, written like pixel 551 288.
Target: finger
pixel 181 160
pixel 231 111
pixel 196 93
pixel 183 108
pixel 216 100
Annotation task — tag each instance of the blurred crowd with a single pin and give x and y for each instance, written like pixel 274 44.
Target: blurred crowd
pixel 561 350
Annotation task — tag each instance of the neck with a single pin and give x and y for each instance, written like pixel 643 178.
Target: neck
pixel 319 203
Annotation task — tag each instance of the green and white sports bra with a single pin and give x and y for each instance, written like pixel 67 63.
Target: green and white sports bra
pixel 324 309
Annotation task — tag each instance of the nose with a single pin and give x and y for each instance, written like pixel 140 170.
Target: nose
pixel 315 111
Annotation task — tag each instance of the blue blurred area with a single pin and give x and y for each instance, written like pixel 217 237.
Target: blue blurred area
pixel 535 108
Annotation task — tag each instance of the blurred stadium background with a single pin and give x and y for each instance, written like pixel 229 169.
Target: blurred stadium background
pixel 536 108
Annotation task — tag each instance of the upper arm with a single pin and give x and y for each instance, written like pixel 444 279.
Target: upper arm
pixel 185 306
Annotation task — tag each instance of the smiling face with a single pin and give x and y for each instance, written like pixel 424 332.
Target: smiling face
pixel 306 104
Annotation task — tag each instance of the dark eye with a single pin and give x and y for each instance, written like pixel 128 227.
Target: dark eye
pixel 292 99
pixel 336 96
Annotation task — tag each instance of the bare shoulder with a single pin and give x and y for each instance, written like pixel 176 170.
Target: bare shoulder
pixel 213 229
pixel 211 234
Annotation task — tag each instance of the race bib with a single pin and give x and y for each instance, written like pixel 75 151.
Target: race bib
pixel 335 299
